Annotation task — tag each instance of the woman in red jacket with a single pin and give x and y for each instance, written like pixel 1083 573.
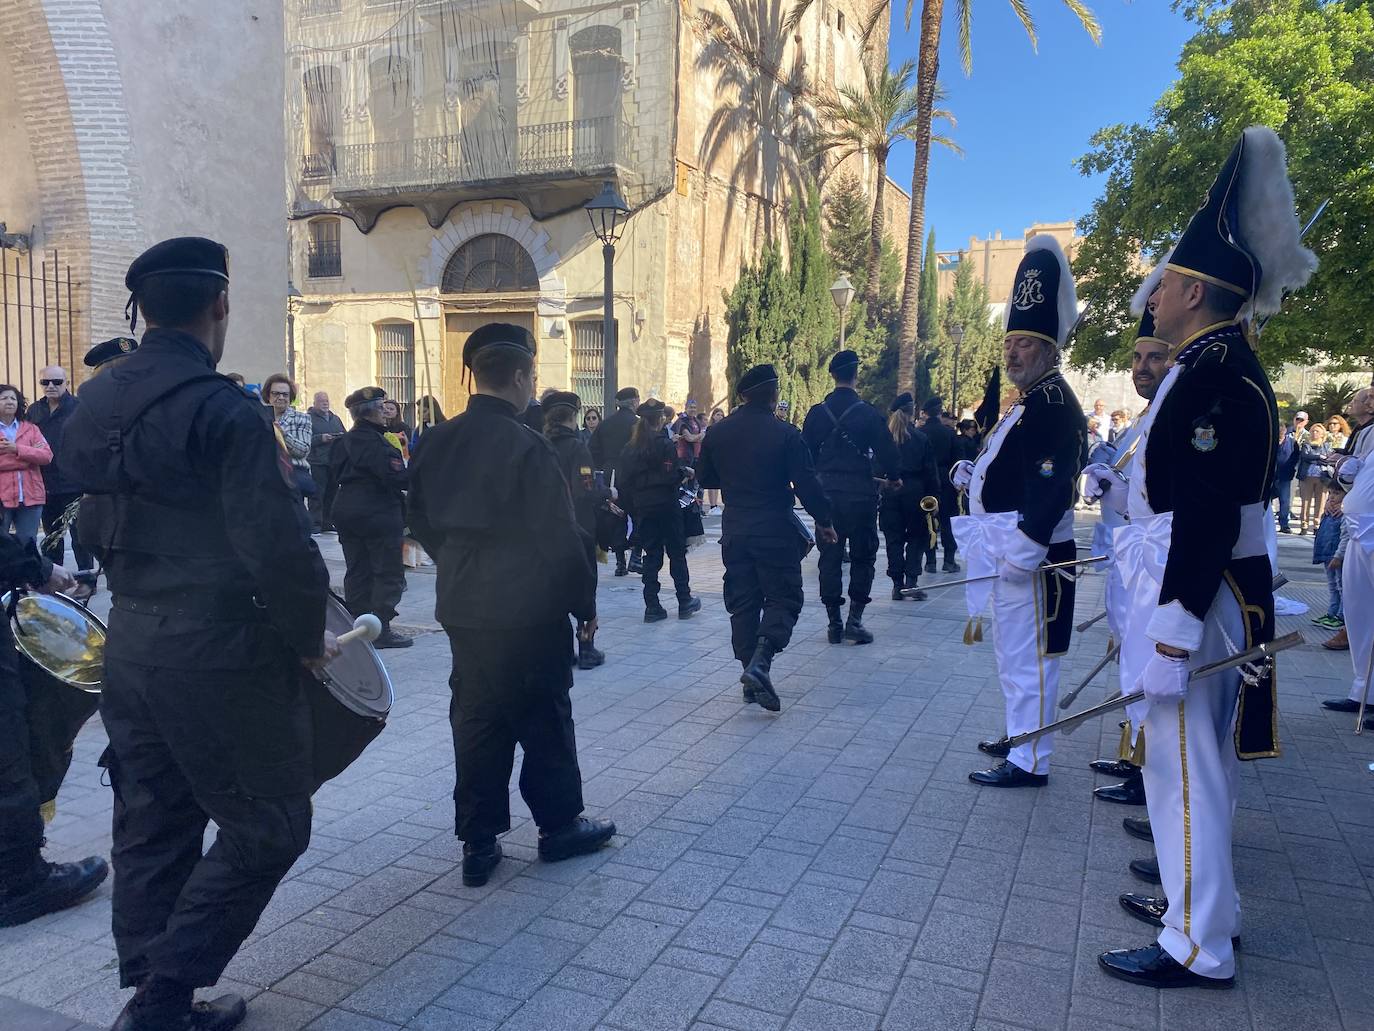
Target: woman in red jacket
pixel 22 452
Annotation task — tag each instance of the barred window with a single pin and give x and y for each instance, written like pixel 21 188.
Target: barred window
pixel 589 361
pixel 323 258
pixel 396 365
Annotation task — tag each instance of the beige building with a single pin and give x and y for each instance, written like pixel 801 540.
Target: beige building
pixel 123 122
pixel 995 258
pixel 441 153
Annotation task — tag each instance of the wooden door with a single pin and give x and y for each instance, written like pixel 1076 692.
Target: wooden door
pixel 458 326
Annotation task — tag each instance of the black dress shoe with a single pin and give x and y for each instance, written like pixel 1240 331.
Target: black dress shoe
pixel 1138 827
pixel 219 1014
pixel 1341 705
pixel 578 838
pixel 1113 767
pixel 686 608
pixel 1000 748
pixel 1155 968
pixel 1146 908
pixel 1146 869
pixel 1009 775
pixel 479 860
pixel 1129 792
pixel 56 886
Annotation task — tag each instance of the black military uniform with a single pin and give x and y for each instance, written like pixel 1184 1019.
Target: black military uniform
pixel 905 524
pixel 608 441
pixel 218 594
pixel 588 497
pixel 365 498
pixel 490 505
pixel 761 465
pixel 848 438
pixel 945 445
pixel 653 475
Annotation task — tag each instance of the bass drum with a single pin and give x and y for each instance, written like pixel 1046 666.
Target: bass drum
pixel 349 699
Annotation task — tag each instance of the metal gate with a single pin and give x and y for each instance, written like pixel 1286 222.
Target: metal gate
pixel 38 315
pixel 396 365
pixel 589 361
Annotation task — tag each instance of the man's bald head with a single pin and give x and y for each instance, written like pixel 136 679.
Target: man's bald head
pixel 53 380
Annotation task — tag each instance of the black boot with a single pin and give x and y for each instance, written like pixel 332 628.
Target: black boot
pixel 685 607
pixel 142 1014
pixel 854 629
pixel 653 610
pixel 620 569
pixel 835 629
pixel 930 561
pixel 917 594
pixel 758 684
pixel 588 655
pixel 950 565
pixel 577 838
pixel 636 561
pixel 897 594
pixel 479 860
pixel 53 886
pixel 389 638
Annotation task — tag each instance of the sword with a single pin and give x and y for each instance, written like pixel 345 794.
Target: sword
pixel 1112 653
pixel 1089 622
pixel 1364 699
pixel 1262 651
pixel 911 591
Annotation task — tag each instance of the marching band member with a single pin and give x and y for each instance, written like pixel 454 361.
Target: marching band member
pixel 1197 550
pixel 1021 494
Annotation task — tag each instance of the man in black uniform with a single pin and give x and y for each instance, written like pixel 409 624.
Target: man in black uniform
pixel 848 438
pixel 365 497
pixel 219 597
pixel 761 464
pixel 490 505
pixel 608 441
pixel 560 426
pixel 944 445
pixel 904 522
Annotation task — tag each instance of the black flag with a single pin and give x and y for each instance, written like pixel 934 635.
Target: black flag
pixel 991 409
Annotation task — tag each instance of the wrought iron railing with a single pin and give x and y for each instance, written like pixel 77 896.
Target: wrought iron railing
pixel 310 8
pixel 323 259
pixel 319 165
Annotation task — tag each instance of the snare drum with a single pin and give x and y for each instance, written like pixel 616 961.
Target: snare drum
pixel 349 699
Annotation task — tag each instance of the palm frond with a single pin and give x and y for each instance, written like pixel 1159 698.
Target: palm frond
pixel 946 142
pixel 965 13
pixel 1022 11
pixel 1086 16
pixel 875 17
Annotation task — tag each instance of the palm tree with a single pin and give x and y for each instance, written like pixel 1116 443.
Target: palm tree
pixel 870 121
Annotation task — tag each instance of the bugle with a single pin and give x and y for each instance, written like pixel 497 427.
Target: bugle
pixel 930 505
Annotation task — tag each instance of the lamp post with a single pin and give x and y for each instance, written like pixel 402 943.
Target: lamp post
pixel 956 333
pixel 609 213
pixel 842 292
pixel 292 296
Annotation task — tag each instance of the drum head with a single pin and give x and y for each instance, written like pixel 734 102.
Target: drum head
pixel 357 679
pixel 61 636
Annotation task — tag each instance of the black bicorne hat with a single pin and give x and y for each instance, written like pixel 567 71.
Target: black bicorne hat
pixel 1043 302
pixel 758 376
pixel 1209 248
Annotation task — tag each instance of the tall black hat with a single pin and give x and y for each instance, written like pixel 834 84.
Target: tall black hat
pixel 1043 301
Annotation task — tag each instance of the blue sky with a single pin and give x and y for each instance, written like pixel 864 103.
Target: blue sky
pixel 1024 116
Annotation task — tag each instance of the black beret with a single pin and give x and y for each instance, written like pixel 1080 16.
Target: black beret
pixel 843 362
pixel 758 376
pixel 193 255
pixel 653 406
pixel 902 400
pixel 108 350
pixel 363 395
pixel 497 334
pixel 564 398
pixel 626 393
pixel 933 406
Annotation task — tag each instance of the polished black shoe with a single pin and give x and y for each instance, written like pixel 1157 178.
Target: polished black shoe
pixel 479 860
pixel 930 563
pixel 686 608
pixel 1130 791
pixel 389 638
pixel 757 677
pixel 219 1014
pixel 1146 869
pixel 589 656
pixel 999 748
pixel 854 629
pixel 1145 908
pixel 55 886
pixel 1113 767
pixel 655 614
pixel 1138 827
pixel 1341 705
pixel 578 838
pixel 950 566
pixel 1009 775
pixel 1153 967
pixel 834 629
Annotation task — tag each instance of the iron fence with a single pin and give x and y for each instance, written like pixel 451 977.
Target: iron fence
pixel 39 314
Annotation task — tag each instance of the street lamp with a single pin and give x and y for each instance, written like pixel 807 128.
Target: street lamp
pixel 609 213
pixel 842 292
pixel 956 333
pixel 292 297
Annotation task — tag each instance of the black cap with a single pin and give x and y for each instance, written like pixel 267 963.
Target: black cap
pixel 1209 249
pixel 108 350
pixel 843 363
pixel 363 395
pixel 653 406
pixel 184 255
pixel 933 406
pixel 497 334
pixel 902 400
pixel 561 398
pixel 758 376
pixel 627 393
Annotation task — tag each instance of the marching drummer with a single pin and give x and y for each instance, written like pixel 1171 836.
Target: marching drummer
pixel 219 597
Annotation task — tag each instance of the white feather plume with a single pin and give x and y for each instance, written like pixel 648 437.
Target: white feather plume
pixel 1150 285
pixel 1068 295
pixel 1269 222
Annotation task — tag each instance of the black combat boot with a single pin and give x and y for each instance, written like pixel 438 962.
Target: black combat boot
pixel 636 560
pixel 52 886
pixel 589 656
pixel 758 684
pixel 687 606
pixel 479 860
pixel 930 561
pixel 620 569
pixel 950 565
pixel 854 629
pixel 389 638
pixel 835 630
pixel 917 594
pixel 897 594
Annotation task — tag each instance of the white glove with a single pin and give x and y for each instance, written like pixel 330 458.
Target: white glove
pixel 961 475
pixel 1014 574
pixel 1347 469
pixel 1103 483
pixel 1164 680
pixel 1102 452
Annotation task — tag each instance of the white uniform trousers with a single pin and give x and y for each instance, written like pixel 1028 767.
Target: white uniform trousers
pixel 1358 590
pixel 1030 679
pixel 1191 780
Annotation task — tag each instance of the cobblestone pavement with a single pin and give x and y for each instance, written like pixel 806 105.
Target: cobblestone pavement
pixel 828 868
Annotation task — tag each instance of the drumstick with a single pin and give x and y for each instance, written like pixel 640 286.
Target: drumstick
pixel 366 627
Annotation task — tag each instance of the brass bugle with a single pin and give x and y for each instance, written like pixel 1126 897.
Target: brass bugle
pixel 930 503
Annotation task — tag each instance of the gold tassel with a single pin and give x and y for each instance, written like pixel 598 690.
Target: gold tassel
pixel 968 631
pixel 601 556
pixel 1123 747
pixel 48 810
pixel 978 630
pixel 1138 753
pixel 1111 642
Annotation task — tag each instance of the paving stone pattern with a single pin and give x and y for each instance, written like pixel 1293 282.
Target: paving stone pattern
pixel 830 868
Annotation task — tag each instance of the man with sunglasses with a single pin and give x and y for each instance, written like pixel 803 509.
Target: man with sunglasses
pixel 51 415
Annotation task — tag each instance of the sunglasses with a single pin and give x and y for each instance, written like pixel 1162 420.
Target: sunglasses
pixel 52 382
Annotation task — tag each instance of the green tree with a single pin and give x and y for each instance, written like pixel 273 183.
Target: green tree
pixel 927 324
pixel 758 312
pixel 846 227
pixel 1304 67
pixel 979 350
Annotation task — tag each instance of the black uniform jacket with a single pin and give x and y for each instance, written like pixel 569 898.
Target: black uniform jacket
pixel 760 463
pixel 652 476
pixel 365 495
pixel 916 462
pixel 193 504
pixel 610 438
pixel 945 447
pixel 1035 472
pixel 576 462
pixel 847 446
pixel 488 501
pixel 1210 452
